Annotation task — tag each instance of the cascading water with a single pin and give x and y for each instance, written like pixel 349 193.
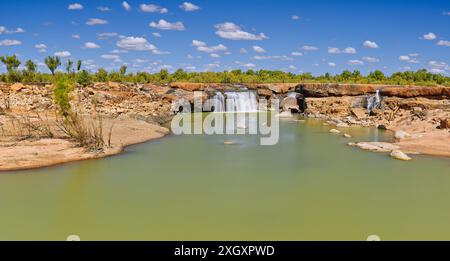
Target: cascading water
pixel 241 101
pixel 219 102
pixel 374 102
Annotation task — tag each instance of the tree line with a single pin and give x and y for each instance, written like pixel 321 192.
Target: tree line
pixel 30 75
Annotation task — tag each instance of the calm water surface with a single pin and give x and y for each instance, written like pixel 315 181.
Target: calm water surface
pixel 310 186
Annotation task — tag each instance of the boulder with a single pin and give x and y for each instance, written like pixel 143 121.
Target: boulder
pixel 114 85
pixel 289 103
pixel 400 135
pixel 398 154
pixel 17 87
pixel 382 127
pixel 444 123
pixel 359 113
pixel 264 92
pixel 347 135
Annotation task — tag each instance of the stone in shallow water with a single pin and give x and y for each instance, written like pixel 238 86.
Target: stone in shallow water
pixel 229 142
pixel 377 146
pixel 347 135
pixel 334 131
pixel 400 155
pixel 401 135
pixel 342 125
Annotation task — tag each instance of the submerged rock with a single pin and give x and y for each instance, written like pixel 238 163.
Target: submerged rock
pixel 347 135
pixel 401 135
pixel 334 131
pixel 398 154
pixel 229 142
pixel 377 146
pixel 342 125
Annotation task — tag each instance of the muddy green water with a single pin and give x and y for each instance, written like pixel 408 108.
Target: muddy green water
pixel 310 186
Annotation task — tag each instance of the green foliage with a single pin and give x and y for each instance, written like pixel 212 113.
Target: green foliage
pixel 123 70
pixel 52 62
pixel 11 62
pixel 84 78
pixel 79 65
pixel 69 65
pixel 62 87
pixel 101 75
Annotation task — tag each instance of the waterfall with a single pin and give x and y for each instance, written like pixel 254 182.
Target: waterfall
pixel 241 101
pixel 219 102
pixel 374 102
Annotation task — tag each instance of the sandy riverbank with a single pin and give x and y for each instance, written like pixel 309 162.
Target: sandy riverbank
pixel 28 154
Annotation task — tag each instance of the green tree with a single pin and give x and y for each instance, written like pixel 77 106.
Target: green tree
pixel 84 78
pixel 52 62
pixel 101 75
pixel 30 66
pixel 79 65
pixel 69 65
pixel 123 70
pixel 11 63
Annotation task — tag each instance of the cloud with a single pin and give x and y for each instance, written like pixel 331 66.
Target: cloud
pixel 203 47
pixel 243 50
pixel 331 64
pixel 214 55
pixel 404 58
pixel 42 48
pixel 348 50
pixel 429 36
pixel 151 8
pixel 96 21
pixel 439 65
pixel 8 42
pixel 249 65
pixel 164 25
pixel 104 36
pixel 295 17
pixel 126 6
pixel 443 43
pixel 75 6
pixel 63 54
pixel 370 59
pixel 159 52
pixel 292 67
pixel 437 71
pixel 104 9
pixel 355 62
pixel 296 54
pixel 156 34
pixel 232 31
pixel 135 43
pixel 309 48
pixel 273 57
pixel 370 44
pixel 189 7
pixel 91 45
pixel 114 57
pixel 4 30
pixel 119 51
pixel 75 36
pixel 258 49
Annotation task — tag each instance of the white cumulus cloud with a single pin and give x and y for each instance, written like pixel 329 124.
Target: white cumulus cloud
pixel 370 44
pixel 443 43
pixel 370 59
pixel 189 7
pixel 91 45
pixel 309 48
pixel 258 49
pixel 8 42
pixel 96 21
pixel 151 8
pixel 355 62
pixel 331 64
pixel 296 54
pixel 295 17
pixel 429 36
pixel 104 9
pixel 63 54
pixel 126 6
pixel 75 6
pixel 4 30
pixel 348 50
pixel 135 43
pixel 232 31
pixel 203 47
pixel 164 25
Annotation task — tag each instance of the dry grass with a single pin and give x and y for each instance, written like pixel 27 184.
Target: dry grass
pixel 27 127
pixel 86 133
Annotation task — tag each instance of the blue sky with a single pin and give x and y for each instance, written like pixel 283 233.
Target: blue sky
pixel 297 36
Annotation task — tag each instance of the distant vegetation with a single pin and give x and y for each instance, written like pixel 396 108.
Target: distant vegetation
pixel 84 77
